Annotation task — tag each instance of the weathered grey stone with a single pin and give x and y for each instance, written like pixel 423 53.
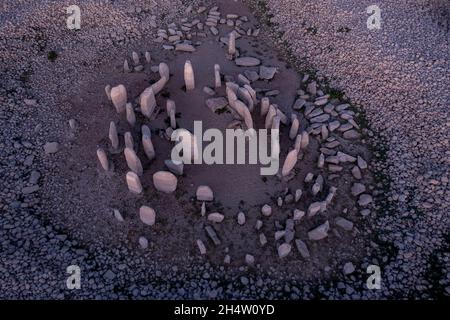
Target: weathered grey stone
pixel 51 147
pixel 298 214
pixel 362 164
pixel 108 92
pixel 217 78
pixel 232 43
pixel 298 104
pixel 314 208
pixel 267 73
pixel 262 239
pixel 356 172
pixel 351 134
pixel 201 247
pixel 283 250
pixel 184 47
pixel 216 103
pixel 344 223
pixel 348 268
pixel 143 243
pixel 298 194
pixel 113 136
pixel 357 189
pixel 294 127
pixel 128 140
pixel 364 200
pixel 212 235
pixel 319 232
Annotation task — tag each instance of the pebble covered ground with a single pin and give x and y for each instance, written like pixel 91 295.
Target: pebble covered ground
pixel 399 79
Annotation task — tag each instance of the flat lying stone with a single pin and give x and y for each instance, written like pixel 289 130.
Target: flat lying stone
pixel 364 200
pixel 216 217
pixel 184 47
pixel 51 147
pixel 284 250
pixel 176 167
pixel 247 62
pixel 344 223
pixel 357 189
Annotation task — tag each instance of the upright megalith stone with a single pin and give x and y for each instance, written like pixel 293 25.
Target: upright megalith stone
pixel 131 117
pixel 269 117
pixel 265 104
pixel 189 78
pixel 108 91
pixel 164 70
pixel 128 140
pixel 165 181
pixel 133 182
pixel 294 127
pixel 147 144
pixel 217 78
pixel 204 193
pixel 133 161
pixel 119 97
pixel 147 215
pixel 126 66
pixel 232 44
pixel 103 158
pixel 290 162
pixel 304 142
pixel 148 102
pixel 113 136
pixel 148 57
pixel 135 57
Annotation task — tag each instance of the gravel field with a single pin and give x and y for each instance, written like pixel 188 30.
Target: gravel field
pixel 397 78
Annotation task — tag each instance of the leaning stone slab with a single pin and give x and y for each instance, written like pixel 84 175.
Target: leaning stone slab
pixel 212 235
pixel 176 167
pixel 133 162
pixel 302 248
pixel 119 97
pixel 133 182
pixel 216 103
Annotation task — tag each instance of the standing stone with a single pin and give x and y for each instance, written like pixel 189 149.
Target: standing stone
pixel 294 127
pixel 266 210
pixel 148 58
pixel 147 215
pixel 148 102
pixel 201 247
pixel 164 71
pixel 203 209
pixel 108 92
pixel 212 235
pixel 284 250
pixel 133 182
pixel 290 162
pixel 298 194
pixel 135 57
pixel 348 268
pixel 320 232
pixel 129 140
pixel 126 66
pixel 241 218
pixel 304 140
pixel 217 79
pixel 119 97
pixel 133 161
pixel 103 158
pixel 149 150
pixel 204 193
pixel 269 117
pixel 165 181
pixel 189 78
pixel 113 136
pixel 265 104
pixel 232 44
pixel 131 117
pixel 321 161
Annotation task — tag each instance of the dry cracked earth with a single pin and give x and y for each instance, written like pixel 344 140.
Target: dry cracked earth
pixel 86 122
